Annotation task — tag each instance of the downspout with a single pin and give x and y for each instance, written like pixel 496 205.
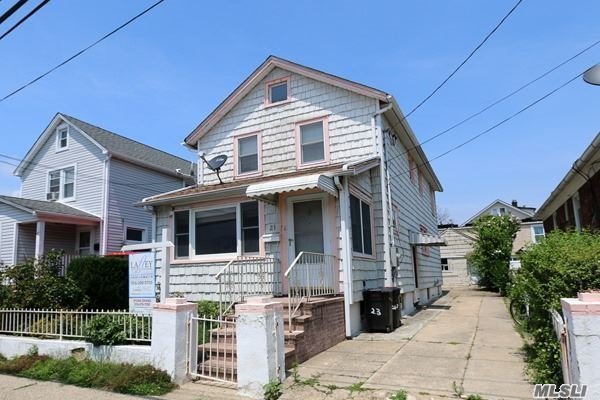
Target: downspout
pixel 384 193
pixel 103 248
pixel 346 251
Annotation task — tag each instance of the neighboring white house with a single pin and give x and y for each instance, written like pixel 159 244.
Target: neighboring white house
pixel 323 174
pixel 79 184
pixel 454 263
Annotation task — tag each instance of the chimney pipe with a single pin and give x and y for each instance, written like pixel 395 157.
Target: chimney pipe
pixel 515 203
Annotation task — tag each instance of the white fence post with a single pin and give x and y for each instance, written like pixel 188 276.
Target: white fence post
pixel 169 336
pixel 260 345
pixel 582 317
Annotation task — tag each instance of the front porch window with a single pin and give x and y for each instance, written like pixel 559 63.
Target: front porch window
pixel 217 231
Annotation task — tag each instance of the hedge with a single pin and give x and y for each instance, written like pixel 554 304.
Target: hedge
pixel 104 280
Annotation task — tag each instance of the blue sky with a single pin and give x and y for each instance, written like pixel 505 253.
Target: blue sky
pixel 156 79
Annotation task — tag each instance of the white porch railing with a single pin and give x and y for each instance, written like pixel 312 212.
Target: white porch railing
pixel 310 275
pixel 247 276
pixel 65 260
pixel 70 324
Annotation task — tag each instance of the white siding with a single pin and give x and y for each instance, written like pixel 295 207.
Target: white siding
pixel 89 164
pixel 129 184
pixel 9 217
pixel 415 210
pixel 459 246
pixel 350 133
pixel 26 241
pixel 60 237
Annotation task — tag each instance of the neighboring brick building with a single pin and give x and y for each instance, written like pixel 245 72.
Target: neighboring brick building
pixel 574 203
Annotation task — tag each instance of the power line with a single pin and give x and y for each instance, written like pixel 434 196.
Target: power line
pixel 12 10
pixel 502 99
pixel 25 18
pixel 81 51
pixel 473 138
pixel 464 61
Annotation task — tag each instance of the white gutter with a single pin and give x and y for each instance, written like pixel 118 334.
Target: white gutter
pixel 384 193
pixel 104 232
pixel 346 250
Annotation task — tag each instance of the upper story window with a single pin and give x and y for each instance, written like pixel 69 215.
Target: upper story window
pixel 360 216
pixel 61 184
pixel 421 183
pixel 277 91
pixel 62 139
pixel 248 154
pixel 538 233
pixel 414 171
pixel 226 230
pixel 312 142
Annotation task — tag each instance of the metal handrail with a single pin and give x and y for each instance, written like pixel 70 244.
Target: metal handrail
pixel 310 275
pixel 244 276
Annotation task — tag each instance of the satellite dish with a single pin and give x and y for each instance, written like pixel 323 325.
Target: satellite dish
pixel 215 164
pixel 592 75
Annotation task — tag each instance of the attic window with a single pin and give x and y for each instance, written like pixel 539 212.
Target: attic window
pixel 62 139
pixel 277 91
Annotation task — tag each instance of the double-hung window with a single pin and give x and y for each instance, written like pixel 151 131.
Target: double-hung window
pixel 61 184
pixel 278 91
pixel 360 216
pixel 62 139
pixel 312 142
pixel 217 231
pixel 538 233
pixel 248 154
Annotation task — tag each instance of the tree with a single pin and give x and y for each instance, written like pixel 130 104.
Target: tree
pixel 492 250
pixel 443 217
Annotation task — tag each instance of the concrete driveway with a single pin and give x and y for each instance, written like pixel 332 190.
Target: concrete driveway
pixel 465 340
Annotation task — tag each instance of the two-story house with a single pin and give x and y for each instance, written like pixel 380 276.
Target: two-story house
pixel 460 239
pixel 325 189
pixel 79 184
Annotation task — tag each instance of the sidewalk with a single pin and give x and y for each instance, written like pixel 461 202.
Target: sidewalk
pixel 465 340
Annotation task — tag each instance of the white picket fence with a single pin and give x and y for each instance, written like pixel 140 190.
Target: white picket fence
pixel 71 324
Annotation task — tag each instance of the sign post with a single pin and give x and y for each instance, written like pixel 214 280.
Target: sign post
pixel 142 267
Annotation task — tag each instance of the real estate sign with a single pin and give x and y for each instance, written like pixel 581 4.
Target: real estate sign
pixel 142 282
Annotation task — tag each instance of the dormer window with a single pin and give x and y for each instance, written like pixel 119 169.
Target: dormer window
pixel 277 91
pixel 248 154
pixel 62 139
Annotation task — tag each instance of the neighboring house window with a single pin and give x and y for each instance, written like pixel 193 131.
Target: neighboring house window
pixel 182 234
pixel 62 139
pixel 248 154
pixel 215 231
pixel 312 142
pixel 360 215
pixel 134 234
pixel 421 183
pixel 61 184
pixel 444 262
pixel 424 249
pixel 277 91
pixel 538 233
pixel 414 171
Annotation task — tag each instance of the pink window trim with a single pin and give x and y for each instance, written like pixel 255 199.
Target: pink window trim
pixel 421 182
pixel 274 82
pixel 414 172
pixel 325 161
pixel 236 138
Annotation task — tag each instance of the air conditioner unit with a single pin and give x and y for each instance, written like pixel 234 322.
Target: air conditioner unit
pixel 52 196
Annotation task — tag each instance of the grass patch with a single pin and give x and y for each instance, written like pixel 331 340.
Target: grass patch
pixel 121 378
pixel 399 395
pixel 356 387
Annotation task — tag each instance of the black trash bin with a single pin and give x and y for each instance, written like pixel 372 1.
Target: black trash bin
pixel 380 309
pixel 396 307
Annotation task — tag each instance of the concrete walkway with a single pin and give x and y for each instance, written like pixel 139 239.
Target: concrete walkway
pixel 465 340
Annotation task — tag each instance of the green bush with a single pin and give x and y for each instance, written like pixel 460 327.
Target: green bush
pixel 105 330
pixel 104 280
pixel 142 380
pixel 492 250
pixel 36 284
pixel 560 266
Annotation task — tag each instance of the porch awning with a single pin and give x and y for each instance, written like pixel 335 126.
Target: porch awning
pixel 268 191
pixel 425 239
